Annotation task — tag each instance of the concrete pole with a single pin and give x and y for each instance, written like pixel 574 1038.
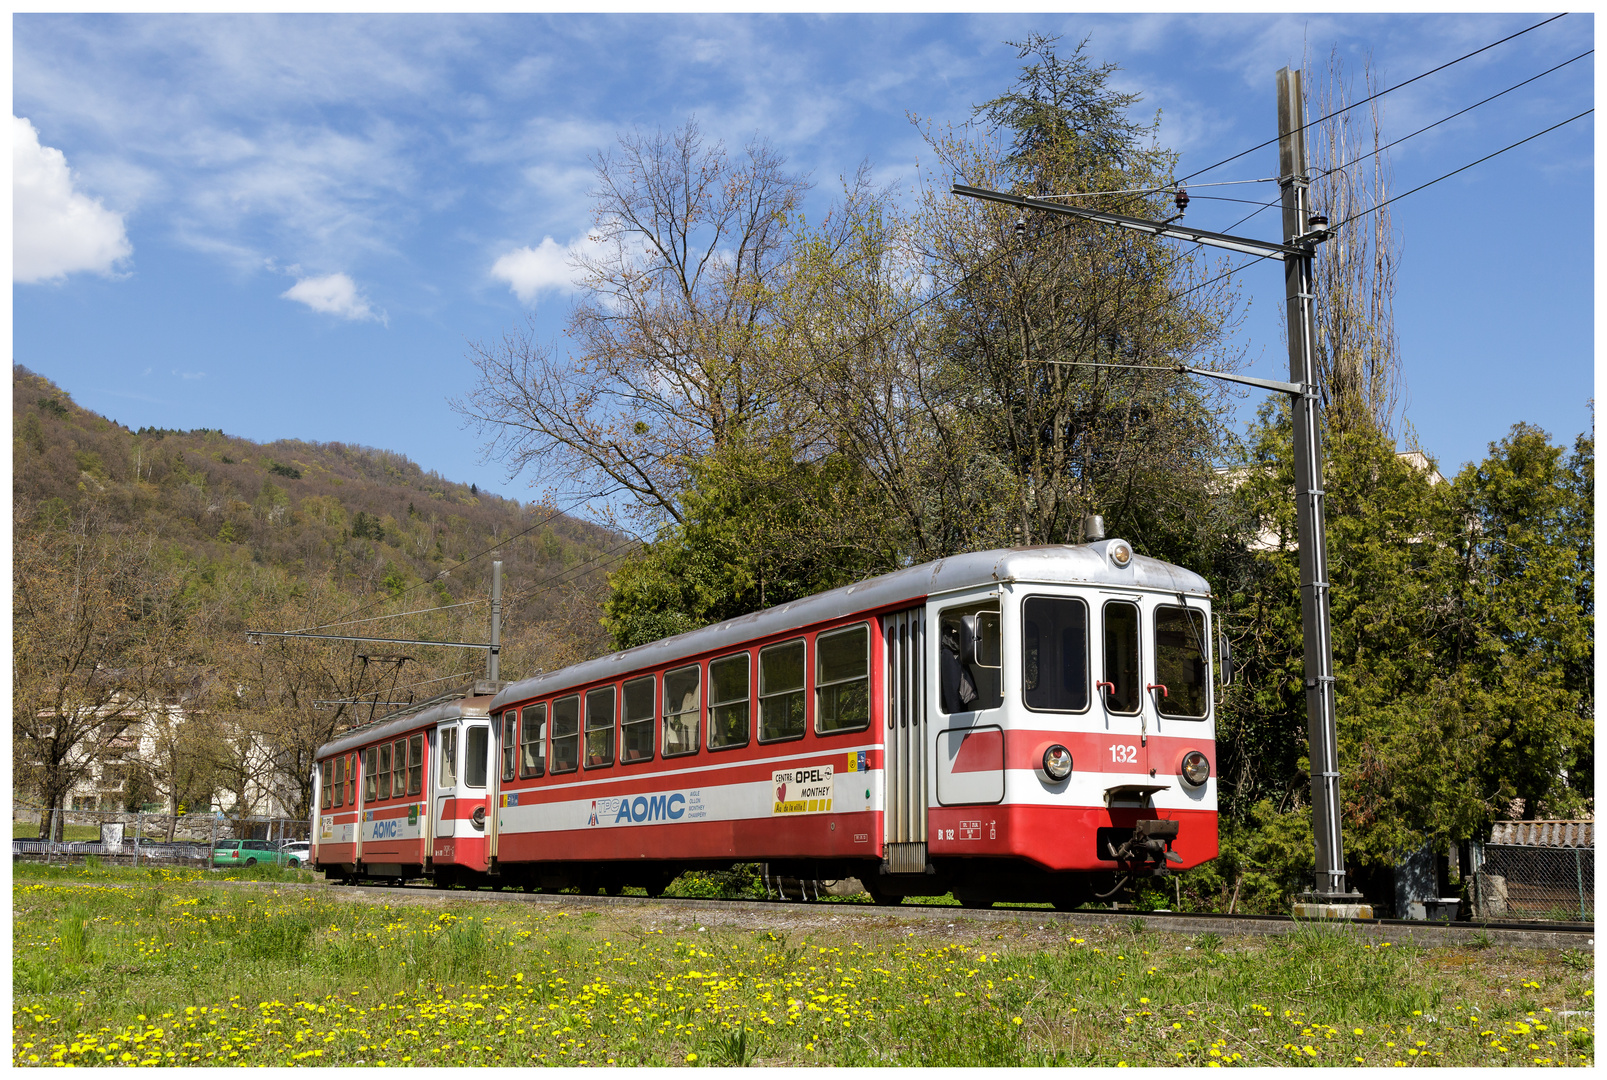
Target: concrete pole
pixel 1300 294
pixel 493 655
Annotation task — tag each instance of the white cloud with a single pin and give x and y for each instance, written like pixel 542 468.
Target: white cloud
pixel 56 231
pixel 333 294
pixel 531 271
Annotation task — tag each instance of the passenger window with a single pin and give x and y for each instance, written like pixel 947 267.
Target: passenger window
pixel 476 744
pixel 1122 692
pixel 510 742
pixel 399 768
pixel 842 681
pixel 351 779
pixel 728 702
pixel 681 709
pixel 382 776
pixel 340 780
pixel 781 692
pixel 969 656
pixel 1054 654
pixel 449 757
pixel 566 734
pixel 600 728
pixel 636 725
pixel 1180 662
pixel 415 771
pixel 370 774
pixel 326 773
pixel 533 745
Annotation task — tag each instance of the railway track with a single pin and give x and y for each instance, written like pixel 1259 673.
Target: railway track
pixel 764 914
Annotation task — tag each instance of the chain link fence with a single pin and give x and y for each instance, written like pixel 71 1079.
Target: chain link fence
pixel 1521 881
pixel 137 839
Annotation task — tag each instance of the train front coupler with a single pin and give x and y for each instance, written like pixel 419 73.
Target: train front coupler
pixel 1147 851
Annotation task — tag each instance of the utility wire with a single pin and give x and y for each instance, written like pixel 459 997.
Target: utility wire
pixel 1380 94
pixel 1464 168
pixel 463 562
pixel 1453 116
pixel 398 615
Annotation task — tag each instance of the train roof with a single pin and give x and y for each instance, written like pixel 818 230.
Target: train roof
pixel 1081 564
pixel 464 701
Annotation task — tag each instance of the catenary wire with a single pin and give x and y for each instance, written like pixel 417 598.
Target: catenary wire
pixel 1464 168
pixel 464 562
pixel 1453 116
pixel 1373 97
pixel 398 615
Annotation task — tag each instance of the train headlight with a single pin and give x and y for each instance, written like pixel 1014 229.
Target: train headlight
pixel 1120 553
pixel 1057 762
pixel 1196 768
pixel 477 819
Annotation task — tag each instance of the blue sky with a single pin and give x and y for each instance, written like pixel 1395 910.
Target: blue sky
pixel 292 226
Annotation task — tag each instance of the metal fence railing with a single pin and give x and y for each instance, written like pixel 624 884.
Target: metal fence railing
pixel 133 838
pixel 1521 881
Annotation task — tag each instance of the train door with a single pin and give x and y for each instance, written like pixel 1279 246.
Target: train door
pixel 1130 717
pixel 904 750
pixel 503 750
pixel 969 749
pixel 444 813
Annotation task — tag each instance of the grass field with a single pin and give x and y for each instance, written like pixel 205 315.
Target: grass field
pixel 117 966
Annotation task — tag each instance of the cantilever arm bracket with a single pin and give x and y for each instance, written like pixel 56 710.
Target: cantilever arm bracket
pixel 1242 244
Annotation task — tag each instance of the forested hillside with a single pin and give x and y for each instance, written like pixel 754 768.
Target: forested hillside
pixel 142 557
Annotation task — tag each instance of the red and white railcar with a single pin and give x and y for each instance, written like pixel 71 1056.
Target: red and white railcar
pixel 398 799
pixel 1024 724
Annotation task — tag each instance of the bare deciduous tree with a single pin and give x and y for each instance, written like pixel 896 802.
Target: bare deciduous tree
pixel 687 251
pixel 1358 360
pixel 97 620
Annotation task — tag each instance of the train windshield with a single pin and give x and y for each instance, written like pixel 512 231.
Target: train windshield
pixel 1054 654
pixel 1180 664
pixel 476 743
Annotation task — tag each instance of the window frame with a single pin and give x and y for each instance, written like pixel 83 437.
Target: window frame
pixel 587 727
pixel 382 775
pixel 1206 660
pixel 1138 655
pixel 485 764
pixel 415 763
pixel 370 774
pixel 650 719
pixel 747 656
pixel 398 768
pixel 351 779
pixel 1088 621
pixel 696 712
pixel 526 714
pixel 863 627
pixel 326 774
pixel 802 691
pixel 553 736
pixel 448 755
pixel 508 749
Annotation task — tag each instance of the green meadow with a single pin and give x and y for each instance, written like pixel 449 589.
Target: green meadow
pixel 114 966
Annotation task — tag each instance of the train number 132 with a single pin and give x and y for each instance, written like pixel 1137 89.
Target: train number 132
pixel 1123 753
